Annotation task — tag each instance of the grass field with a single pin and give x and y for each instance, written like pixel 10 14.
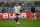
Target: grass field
pixel 23 23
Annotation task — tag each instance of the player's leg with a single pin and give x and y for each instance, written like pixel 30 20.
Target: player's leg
pixel 34 16
pixel 14 19
pixel 17 18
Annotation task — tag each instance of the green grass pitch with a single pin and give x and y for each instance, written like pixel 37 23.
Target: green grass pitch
pixel 23 23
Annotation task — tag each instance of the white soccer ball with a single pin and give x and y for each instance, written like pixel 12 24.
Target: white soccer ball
pixel 18 23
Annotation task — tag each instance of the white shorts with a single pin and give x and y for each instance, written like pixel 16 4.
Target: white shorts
pixel 33 13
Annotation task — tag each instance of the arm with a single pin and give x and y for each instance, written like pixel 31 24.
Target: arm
pixel 21 8
pixel 12 10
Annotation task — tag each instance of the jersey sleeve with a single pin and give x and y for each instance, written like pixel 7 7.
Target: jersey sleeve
pixel 20 7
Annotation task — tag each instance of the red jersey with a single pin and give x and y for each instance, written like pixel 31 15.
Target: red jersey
pixel 4 10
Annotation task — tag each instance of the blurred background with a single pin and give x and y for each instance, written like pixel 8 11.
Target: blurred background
pixel 6 19
pixel 25 4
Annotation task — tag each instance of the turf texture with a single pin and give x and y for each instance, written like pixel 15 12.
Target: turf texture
pixel 23 23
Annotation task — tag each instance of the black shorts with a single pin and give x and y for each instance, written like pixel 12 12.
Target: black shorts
pixel 33 11
pixel 17 14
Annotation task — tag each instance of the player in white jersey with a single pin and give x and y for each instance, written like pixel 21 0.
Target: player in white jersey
pixel 17 11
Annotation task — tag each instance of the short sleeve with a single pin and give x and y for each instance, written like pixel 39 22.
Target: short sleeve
pixel 20 7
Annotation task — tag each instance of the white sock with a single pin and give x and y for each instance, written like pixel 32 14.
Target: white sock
pixel 32 18
pixel 35 18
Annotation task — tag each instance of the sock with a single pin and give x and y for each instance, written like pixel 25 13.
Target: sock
pixel 14 19
pixel 17 19
pixel 35 18
pixel 32 18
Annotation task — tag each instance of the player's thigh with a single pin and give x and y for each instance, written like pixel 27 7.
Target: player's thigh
pixel 34 14
pixel 17 15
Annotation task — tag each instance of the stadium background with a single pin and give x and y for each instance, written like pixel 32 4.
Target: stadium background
pixel 9 4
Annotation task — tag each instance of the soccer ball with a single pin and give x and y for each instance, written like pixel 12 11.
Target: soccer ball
pixel 18 23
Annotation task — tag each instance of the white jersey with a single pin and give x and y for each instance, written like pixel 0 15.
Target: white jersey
pixel 17 9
